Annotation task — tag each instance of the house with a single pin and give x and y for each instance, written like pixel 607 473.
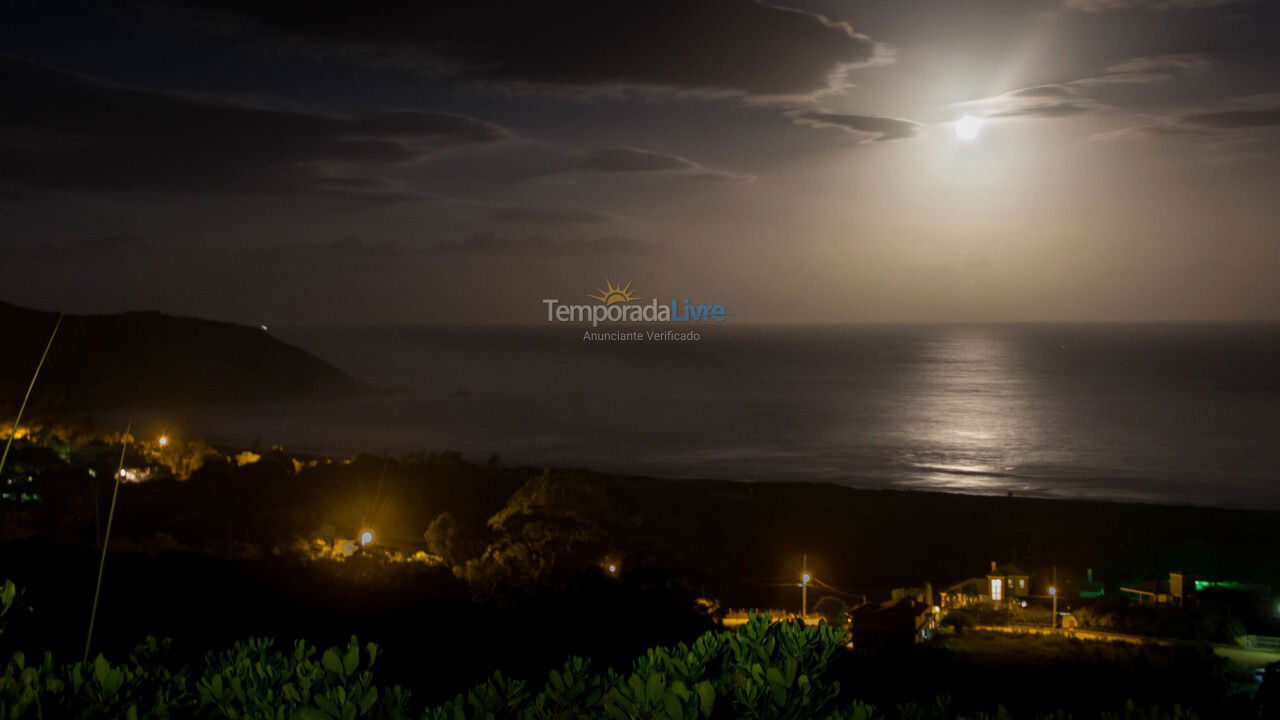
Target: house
pixel 1177 590
pixel 892 625
pixel 1002 584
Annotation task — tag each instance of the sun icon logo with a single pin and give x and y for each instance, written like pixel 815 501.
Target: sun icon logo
pixel 615 294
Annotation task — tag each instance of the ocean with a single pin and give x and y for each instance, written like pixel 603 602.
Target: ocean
pixel 1164 413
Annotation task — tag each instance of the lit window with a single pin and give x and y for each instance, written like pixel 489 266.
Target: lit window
pixel 997 589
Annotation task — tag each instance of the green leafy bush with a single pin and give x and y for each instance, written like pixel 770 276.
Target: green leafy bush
pixel 764 671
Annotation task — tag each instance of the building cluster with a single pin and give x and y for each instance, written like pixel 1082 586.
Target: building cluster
pixel 1016 596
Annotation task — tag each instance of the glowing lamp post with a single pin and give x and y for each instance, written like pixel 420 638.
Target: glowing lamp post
pixel 804 594
pixel 613 569
pixel 163 440
pixel 1053 592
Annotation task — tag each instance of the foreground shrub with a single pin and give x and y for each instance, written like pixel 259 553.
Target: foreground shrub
pixel 763 671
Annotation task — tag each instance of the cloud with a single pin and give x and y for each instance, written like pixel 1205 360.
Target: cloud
pixel 1156 129
pixel 624 160
pixel 1044 110
pixel 354 249
pixel 347 248
pixel 737 46
pixel 1043 91
pixel 1147 69
pixel 1077 97
pixel 628 160
pixel 1175 63
pixel 1243 119
pixel 1233 119
pixel 437 128
pixel 871 128
pixel 1106 5
pixel 542 246
pixel 64 130
pixel 108 248
pixel 549 215
pixel 1040 101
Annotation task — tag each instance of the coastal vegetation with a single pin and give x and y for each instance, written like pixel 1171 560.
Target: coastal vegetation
pixel 763 671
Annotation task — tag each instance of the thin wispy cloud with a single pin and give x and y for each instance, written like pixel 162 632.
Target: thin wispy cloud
pixel 543 246
pixel 1107 89
pixel 640 161
pixel 868 128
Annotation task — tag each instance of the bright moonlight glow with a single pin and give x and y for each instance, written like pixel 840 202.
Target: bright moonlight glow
pixel 968 127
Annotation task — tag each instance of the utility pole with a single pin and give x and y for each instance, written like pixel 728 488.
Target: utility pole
pixel 805 577
pixel 1053 592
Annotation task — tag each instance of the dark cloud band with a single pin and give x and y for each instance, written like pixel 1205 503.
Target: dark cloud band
pixel 736 45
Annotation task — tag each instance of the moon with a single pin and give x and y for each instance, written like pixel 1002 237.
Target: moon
pixel 968 127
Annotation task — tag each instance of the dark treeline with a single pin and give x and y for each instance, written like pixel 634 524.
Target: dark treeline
pixel 738 540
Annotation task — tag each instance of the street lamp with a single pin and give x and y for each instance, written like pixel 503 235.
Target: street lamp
pixel 164 440
pixel 366 537
pixel 1053 592
pixel 804 594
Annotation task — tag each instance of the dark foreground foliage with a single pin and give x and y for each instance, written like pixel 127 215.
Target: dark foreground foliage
pixel 763 671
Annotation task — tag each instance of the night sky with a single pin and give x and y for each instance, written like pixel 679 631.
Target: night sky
pixel 420 162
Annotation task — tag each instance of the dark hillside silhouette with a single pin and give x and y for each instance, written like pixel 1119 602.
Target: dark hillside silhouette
pixel 140 359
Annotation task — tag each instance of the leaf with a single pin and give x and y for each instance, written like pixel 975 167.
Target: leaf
pixel 706 697
pixel 100 669
pixel 352 659
pixel 671 704
pixel 331 662
pixel 370 697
